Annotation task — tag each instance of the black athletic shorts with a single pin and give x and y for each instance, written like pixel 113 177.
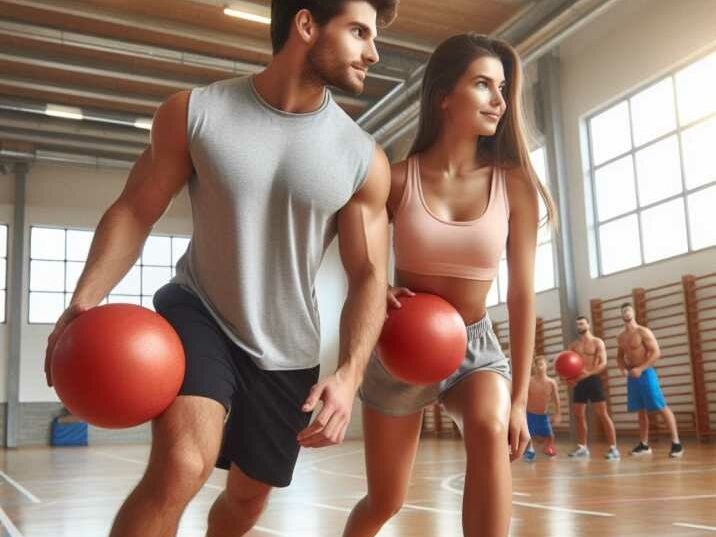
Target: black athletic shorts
pixel 264 407
pixel 589 389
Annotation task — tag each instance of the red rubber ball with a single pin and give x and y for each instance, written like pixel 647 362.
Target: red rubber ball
pixel 423 341
pixel 569 364
pixel 118 365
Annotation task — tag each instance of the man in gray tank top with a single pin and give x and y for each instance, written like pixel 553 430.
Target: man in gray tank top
pixel 275 171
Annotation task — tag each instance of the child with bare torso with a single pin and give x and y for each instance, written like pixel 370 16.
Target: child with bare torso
pixel 543 390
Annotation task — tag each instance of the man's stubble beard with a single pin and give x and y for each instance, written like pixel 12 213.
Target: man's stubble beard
pixel 328 71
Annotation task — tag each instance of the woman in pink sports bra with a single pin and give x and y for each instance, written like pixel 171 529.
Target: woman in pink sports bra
pixel 465 194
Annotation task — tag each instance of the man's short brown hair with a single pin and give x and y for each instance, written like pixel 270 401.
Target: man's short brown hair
pixel 283 12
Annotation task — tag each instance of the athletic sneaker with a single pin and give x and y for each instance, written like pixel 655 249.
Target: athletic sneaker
pixel 677 450
pixel 529 455
pixel 613 454
pixel 580 453
pixel 550 451
pixel 641 449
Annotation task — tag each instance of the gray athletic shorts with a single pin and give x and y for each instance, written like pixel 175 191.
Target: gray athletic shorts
pixel 388 395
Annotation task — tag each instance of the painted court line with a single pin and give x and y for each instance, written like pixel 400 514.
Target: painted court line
pixel 117 457
pixel 326 506
pixel 694 526
pixel 432 509
pixel 6 523
pixel 29 495
pixel 445 485
pixel 562 509
pixel 652 499
pixel 331 457
pixel 446 461
pixel 436 510
pixel 337 474
pixel 616 476
pixel 270 532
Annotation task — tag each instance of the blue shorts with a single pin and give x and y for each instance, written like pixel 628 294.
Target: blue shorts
pixel 645 393
pixel 539 425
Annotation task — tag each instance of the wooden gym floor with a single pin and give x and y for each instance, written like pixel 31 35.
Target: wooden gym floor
pixel 75 492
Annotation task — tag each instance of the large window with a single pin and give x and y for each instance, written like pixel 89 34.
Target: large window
pixel 544 259
pixel 653 170
pixel 3 273
pixel 57 257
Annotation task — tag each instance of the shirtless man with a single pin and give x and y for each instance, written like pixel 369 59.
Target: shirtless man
pixel 588 388
pixel 542 391
pixel 638 352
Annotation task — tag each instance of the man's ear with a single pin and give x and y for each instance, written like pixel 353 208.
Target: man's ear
pixel 306 26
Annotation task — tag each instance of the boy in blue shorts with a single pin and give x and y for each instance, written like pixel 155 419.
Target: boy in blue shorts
pixel 542 391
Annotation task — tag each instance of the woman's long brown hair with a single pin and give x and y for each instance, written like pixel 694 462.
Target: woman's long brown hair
pixel 508 147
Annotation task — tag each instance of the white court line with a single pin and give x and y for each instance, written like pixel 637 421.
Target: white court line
pixel 29 495
pixel 614 476
pixel 436 510
pixel 440 462
pixel 445 485
pixel 8 525
pixel 653 499
pixel 338 474
pixel 125 459
pixel 562 509
pixel 270 532
pixel 331 457
pixel 326 506
pixel 694 526
pixel 433 509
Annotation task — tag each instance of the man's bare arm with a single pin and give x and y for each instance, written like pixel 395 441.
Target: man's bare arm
pixel 156 177
pixel 621 363
pixel 363 242
pixel 600 358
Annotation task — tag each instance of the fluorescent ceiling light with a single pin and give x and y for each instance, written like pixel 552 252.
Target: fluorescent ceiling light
pixel 249 11
pixel 67 112
pixel 143 123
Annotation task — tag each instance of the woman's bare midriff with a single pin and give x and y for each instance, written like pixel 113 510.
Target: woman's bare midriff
pixel 467 296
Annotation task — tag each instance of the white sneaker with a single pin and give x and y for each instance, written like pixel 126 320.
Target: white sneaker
pixel 613 454
pixel 579 453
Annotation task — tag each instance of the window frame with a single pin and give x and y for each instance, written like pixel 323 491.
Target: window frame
pixel 549 240
pixel 3 285
pixel 639 209
pixel 65 261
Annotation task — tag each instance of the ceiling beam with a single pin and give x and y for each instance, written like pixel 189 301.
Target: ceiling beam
pixel 35 124
pixel 46 141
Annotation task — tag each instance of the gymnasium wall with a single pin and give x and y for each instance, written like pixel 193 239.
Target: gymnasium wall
pixel 632 44
pixel 595 71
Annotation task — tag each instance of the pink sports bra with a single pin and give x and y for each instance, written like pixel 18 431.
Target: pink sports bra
pixel 426 244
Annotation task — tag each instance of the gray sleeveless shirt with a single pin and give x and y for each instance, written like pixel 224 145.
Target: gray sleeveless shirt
pixel 266 189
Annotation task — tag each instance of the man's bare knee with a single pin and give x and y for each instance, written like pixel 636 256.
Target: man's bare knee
pixel 248 507
pixel 178 475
